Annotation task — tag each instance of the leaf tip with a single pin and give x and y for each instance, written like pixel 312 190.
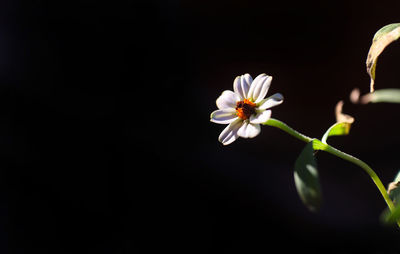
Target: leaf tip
pixel 340 117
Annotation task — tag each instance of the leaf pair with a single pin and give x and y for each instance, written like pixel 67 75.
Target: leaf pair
pixel 305 169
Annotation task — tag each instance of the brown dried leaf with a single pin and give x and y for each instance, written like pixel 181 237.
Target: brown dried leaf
pixel 340 117
pixel 383 37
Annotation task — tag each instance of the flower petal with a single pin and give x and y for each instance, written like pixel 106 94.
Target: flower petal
pixel 227 99
pixel 241 85
pixel 271 101
pixel 259 87
pixel 259 79
pixel 242 130
pixel 229 134
pixel 249 130
pixel 261 117
pixel 246 82
pixel 223 116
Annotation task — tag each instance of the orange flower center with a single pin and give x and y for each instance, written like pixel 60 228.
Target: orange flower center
pixel 245 108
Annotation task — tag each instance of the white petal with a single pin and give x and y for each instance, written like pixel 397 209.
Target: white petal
pixel 259 79
pixel 227 99
pixel 249 130
pixel 229 134
pixel 253 130
pixel 271 101
pixel 259 87
pixel 223 116
pixel 242 130
pixel 261 117
pixel 264 90
pixel 246 80
pixel 241 85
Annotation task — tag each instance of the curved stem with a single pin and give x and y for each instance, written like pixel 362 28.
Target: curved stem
pixel 366 168
pixel 318 145
pixel 281 125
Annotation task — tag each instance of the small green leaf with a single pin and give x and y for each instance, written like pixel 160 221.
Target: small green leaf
pixel 391 95
pixel 342 125
pixel 382 38
pixel 318 145
pixel 338 129
pixel 306 178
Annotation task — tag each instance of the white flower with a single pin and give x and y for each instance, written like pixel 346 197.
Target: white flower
pixel 245 108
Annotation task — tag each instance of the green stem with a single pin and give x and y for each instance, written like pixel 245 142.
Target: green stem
pixel 281 125
pixel 318 145
pixel 366 168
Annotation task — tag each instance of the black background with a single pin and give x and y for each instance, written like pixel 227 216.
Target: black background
pixel 106 144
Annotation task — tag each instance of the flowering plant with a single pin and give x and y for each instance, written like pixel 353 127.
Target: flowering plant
pixel 245 108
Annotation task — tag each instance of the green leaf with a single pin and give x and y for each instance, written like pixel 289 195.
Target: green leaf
pixel 391 95
pixel 342 125
pixel 318 145
pixel 382 38
pixel 338 129
pixel 306 178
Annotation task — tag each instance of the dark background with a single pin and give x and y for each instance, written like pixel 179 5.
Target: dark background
pixel 106 144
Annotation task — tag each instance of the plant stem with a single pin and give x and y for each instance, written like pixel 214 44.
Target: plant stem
pixel 366 168
pixel 318 145
pixel 281 125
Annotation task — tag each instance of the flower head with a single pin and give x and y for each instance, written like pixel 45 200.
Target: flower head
pixel 245 108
